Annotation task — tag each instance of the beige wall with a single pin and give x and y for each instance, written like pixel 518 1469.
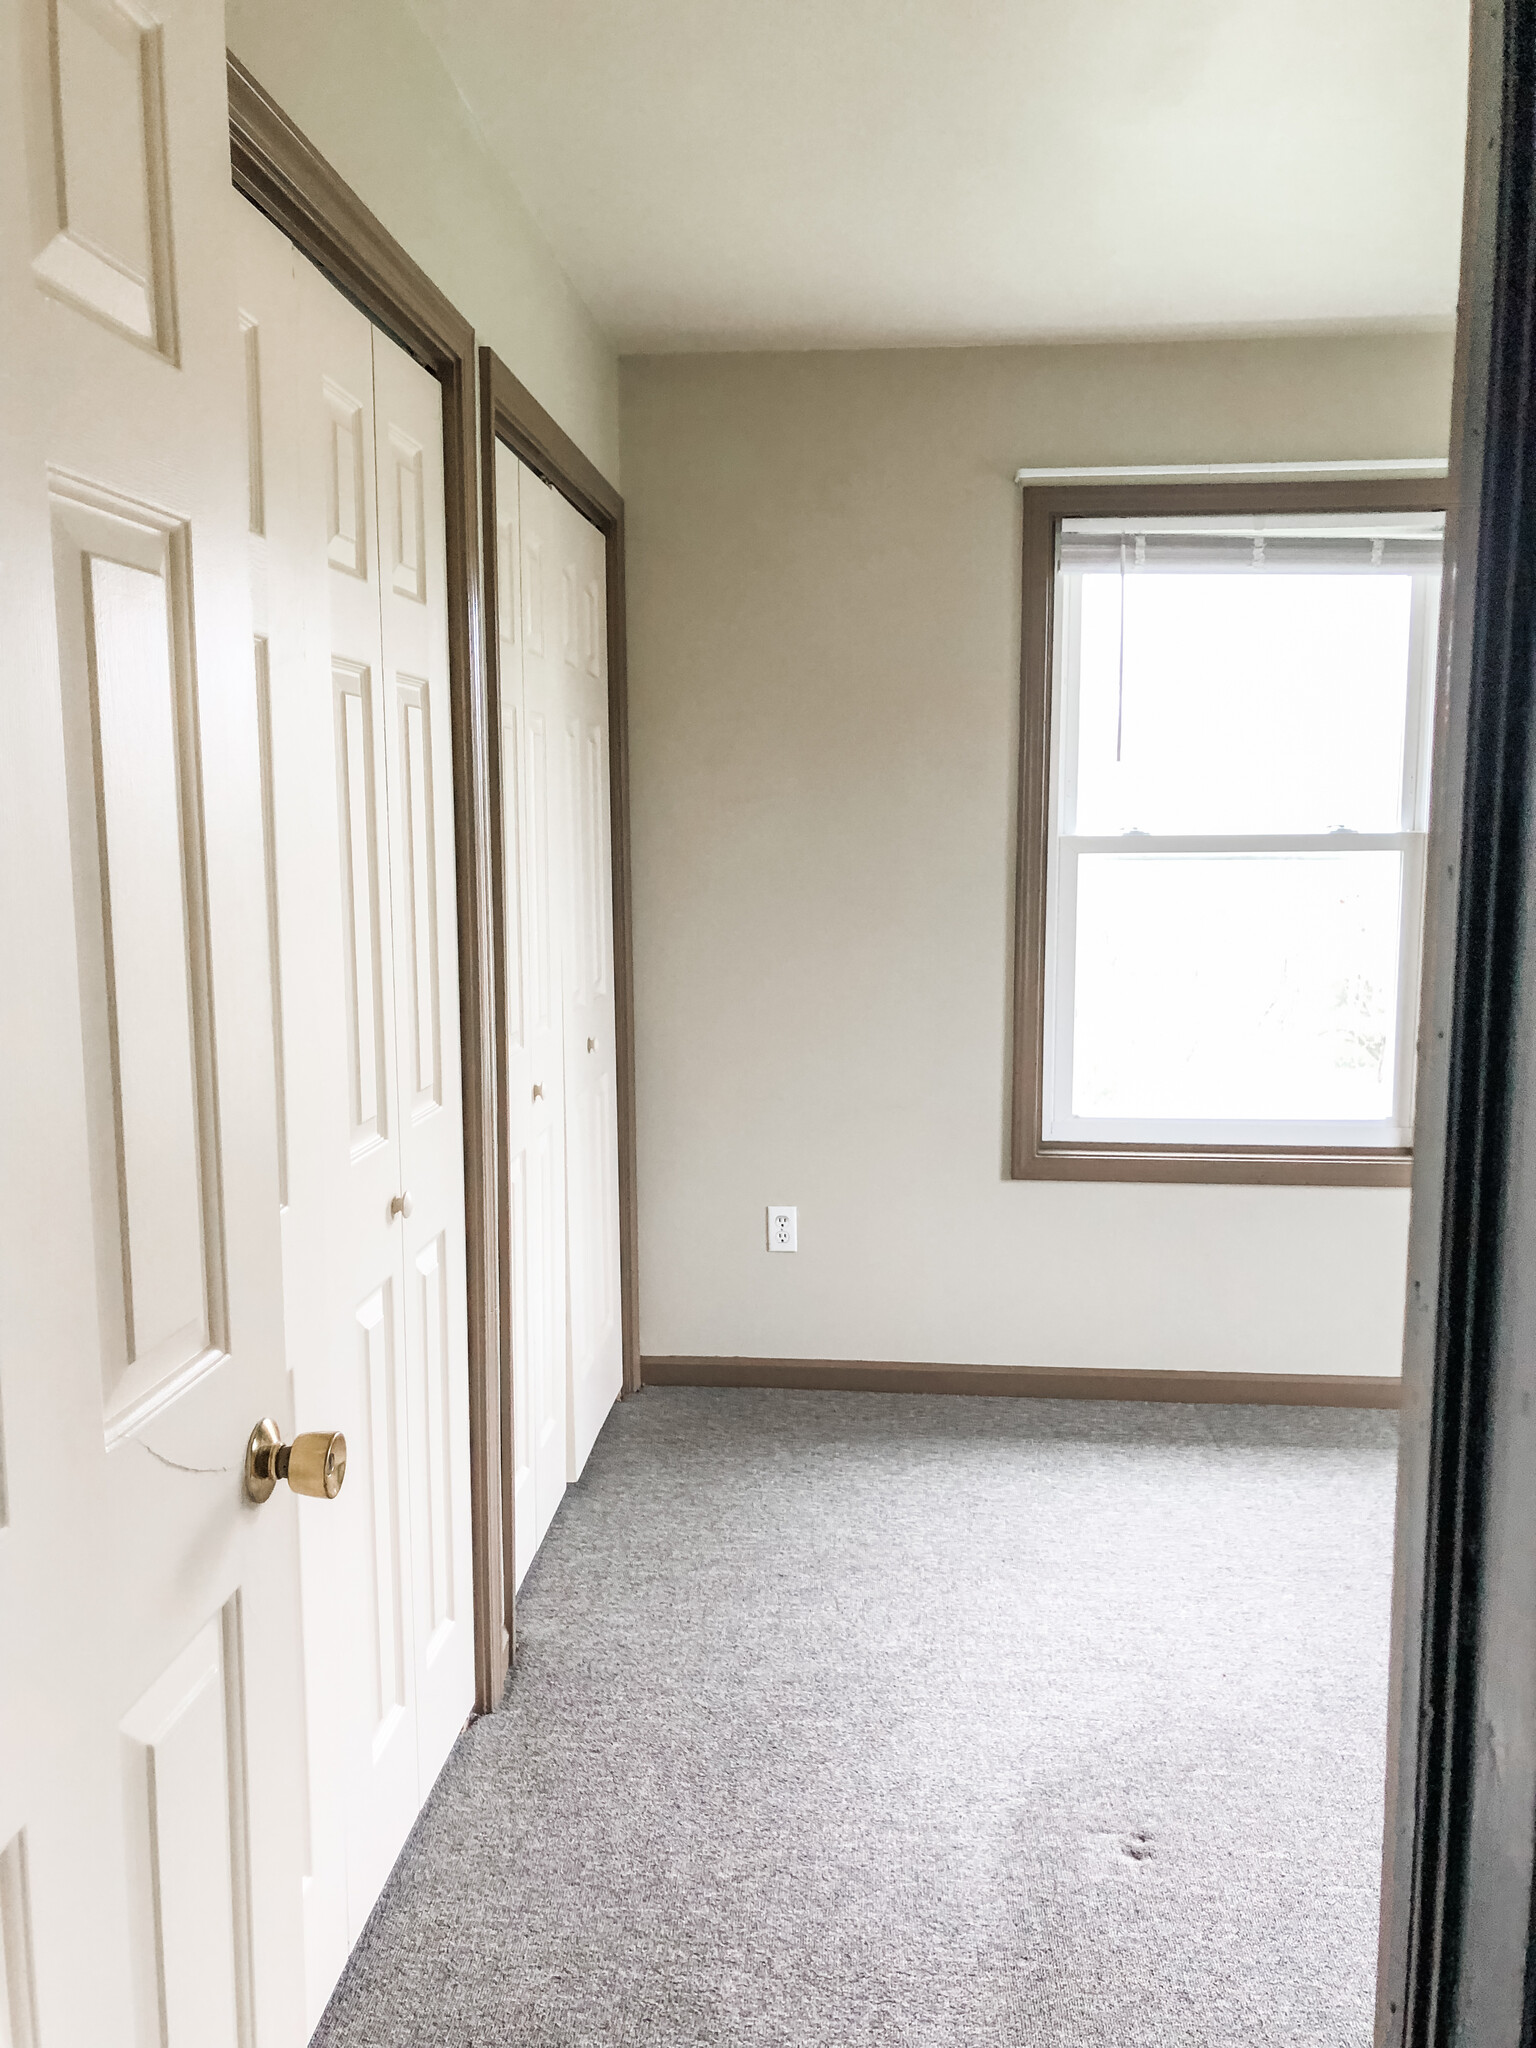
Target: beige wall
pixel 824 620
pixel 364 83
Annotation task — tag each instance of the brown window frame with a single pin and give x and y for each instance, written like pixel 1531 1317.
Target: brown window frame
pixel 1033 1156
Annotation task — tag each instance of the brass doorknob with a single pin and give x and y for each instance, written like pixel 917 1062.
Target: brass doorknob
pixel 315 1463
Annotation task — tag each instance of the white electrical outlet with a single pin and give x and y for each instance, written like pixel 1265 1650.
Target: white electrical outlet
pixel 781 1230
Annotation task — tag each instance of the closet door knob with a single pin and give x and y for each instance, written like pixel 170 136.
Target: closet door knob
pixel 402 1205
pixel 591 1045
pixel 538 1091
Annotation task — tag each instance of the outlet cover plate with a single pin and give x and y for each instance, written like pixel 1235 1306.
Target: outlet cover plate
pixel 781 1230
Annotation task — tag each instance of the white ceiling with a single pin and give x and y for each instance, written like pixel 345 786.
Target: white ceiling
pixel 744 173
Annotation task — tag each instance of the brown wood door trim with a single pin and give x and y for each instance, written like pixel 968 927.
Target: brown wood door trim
pixel 282 174
pixel 1031 1156
pixel 1032 1382
pixel 510 413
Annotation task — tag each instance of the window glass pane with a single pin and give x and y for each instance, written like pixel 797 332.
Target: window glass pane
pixel 1242 703
pixel 1242 986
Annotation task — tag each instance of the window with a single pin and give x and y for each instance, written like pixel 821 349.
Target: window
pixel 1225 798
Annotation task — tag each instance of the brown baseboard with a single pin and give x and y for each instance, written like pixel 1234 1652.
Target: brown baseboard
pixel 1041 1382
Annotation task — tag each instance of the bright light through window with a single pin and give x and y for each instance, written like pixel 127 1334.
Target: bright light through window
pixel 1262 703
pixel 1239 787
pixel 1237 986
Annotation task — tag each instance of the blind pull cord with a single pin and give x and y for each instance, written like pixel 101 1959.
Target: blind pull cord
pixel 1120 688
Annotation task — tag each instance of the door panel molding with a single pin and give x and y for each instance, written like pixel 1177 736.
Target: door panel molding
pixel 287 179
pixel 122 584
pixel 186 1770
pixel 510 413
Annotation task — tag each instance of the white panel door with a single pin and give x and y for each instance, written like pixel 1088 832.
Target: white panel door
pixel 315 571
pixel 418 758
pixel 151 1728
pixel 561 1118
pixel 350 575
pixel 307 969
pixel 595 1348
pixel 342 1057
pixel 534 812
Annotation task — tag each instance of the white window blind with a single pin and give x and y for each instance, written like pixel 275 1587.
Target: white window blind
pixel 1394 545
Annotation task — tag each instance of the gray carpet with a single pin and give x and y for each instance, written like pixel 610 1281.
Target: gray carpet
pixel 883 1719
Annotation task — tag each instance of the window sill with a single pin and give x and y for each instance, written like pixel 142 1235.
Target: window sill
pixel 1215 1165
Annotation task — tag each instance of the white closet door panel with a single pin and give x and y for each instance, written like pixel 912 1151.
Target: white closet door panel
pixel 350 581
pixel 151 1763
pixel 360 1590
pixel 596 1368
pixel 534 799
pixel 316 574
pixel 546 1310
pixel 520 1539
pixel 429 1097
pixel 307 942
pixel 561 1111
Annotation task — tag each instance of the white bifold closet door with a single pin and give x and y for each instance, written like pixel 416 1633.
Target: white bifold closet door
pixel 348 558
pixel 561 1112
